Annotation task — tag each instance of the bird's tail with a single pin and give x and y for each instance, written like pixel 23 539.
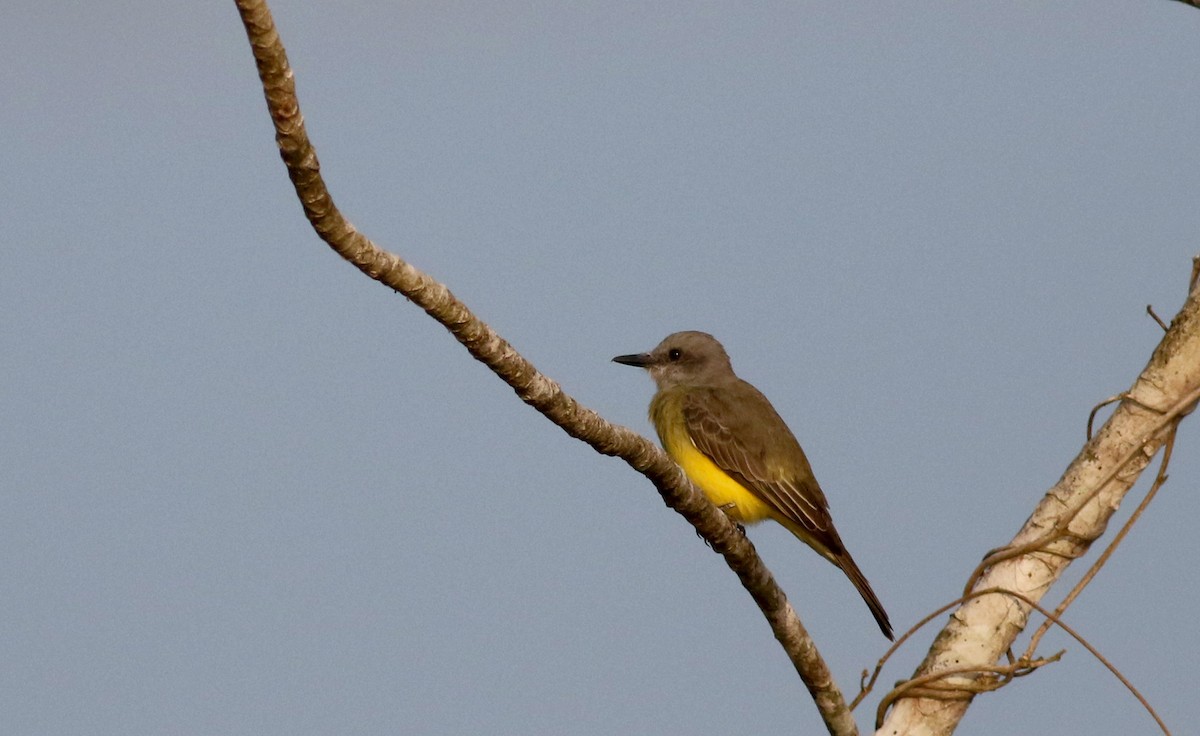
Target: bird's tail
pixel 846 562
pixel 829 545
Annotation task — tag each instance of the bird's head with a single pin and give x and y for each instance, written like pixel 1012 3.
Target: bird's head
pixel 684 358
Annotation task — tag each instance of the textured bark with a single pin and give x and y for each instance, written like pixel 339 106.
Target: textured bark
pixel 531 386
pixel 1071 515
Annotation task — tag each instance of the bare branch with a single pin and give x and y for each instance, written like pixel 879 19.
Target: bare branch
pixel 1090 575
pixel 1069 518
pixel 532 387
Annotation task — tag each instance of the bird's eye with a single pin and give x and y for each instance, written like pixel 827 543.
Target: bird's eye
pixel 674 354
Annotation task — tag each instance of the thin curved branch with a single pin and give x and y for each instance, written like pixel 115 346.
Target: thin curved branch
pixel 989 677
pixel 532 387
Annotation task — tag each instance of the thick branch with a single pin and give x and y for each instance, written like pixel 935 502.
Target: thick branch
pixel 1069 518
pixel 531 386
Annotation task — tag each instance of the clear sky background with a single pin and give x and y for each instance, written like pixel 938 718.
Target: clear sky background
pixel 246 490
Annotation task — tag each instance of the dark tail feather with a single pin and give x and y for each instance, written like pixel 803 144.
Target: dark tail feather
pixel 830 546
pixel 846 562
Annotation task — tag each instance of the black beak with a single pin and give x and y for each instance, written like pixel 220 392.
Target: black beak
pixel 640 360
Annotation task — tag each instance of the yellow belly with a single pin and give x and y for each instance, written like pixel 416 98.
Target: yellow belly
pixel 725 493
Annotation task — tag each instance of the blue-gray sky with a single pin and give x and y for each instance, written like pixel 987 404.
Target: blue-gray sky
pixel 245 490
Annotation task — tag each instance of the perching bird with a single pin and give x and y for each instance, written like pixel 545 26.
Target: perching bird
pixel 735 448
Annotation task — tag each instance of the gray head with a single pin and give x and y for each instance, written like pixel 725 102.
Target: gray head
pixel 684 358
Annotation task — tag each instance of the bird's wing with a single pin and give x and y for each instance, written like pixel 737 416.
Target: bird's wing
pixel 765 457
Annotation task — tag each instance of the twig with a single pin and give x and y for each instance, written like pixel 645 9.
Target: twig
pixel 920 686
pixel 1150 311
pixel 1123 396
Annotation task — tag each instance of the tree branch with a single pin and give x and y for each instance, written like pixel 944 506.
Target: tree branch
pixel 532 387
pixel 1072 515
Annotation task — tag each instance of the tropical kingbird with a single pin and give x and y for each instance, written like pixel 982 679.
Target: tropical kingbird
pixel 735 448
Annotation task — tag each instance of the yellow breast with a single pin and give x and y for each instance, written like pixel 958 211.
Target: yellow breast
pixel 666 412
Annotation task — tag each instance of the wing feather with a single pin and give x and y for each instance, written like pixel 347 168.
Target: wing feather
pixel 737 428
pixel 744 436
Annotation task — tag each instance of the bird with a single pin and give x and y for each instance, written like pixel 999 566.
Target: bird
pixel 737 450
